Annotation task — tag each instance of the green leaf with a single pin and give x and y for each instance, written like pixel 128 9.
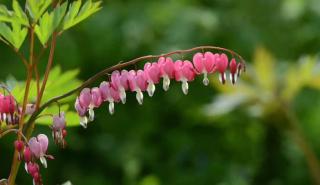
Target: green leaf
pixel 76 15
pixel 58 83
pixel 49 22
pixel 21 16
pixel 14 36
pixel 5 14
pixel 37 7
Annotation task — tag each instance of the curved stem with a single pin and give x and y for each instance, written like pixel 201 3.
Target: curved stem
pixel 33 117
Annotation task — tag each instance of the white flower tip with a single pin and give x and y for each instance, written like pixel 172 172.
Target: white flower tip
pixel 123 96
pixel 43 161
pixel 111 108
pixel 222 78
pixel 151 88
pixel 84 122
pixel 139 97
pixel 91 114
pixel 205 81
pixel 166 83
pixel 26 167
pixel 185 87
pixel 233 78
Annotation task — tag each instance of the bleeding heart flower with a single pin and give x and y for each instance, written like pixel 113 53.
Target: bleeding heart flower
pixel 120 83
pixel 59 128
pixel 184 72
pixel 110 94
pixel 166 71
pixel 233 71
pixel 222 65
pixel 204 64
pixel 81 112
pixel 138 83
pixel 38 146
pixel 152 73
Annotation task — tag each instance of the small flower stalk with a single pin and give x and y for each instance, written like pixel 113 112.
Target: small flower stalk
pixel 140 81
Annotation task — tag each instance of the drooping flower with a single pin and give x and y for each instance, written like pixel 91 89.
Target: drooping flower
pixel 8 109
pixel 166 71
pixel 222 64
pixel 38 147
pixel 81 112
pixel 85 99
pixel 138 83
pixel 19 146
pixel 184 72
pixel 152 73
pixel 59 129
pixel 204 64
pixel 27 154
pixel 120 83
pixel 110 94
pixel 34 170
pixel 233 71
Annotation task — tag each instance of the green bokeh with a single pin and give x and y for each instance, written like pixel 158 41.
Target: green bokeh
pixel 168 141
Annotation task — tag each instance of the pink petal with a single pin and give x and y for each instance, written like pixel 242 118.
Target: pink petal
pixel 35 147
pixel 85 97
pixel 141 80
pixel 96 97
pixel 43 140
pixel 233 66
pixel 80 110
pixel 198 62
pixel 152 72
pixel 178 70
pixel 188 70
pixel 209 62
pixel 59 121
pixel 166 66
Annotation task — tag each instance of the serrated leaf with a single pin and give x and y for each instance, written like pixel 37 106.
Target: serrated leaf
pixel 5 14
pixel 49 22
pixel 14 36
pixel 75 15
pixel 37 7
pixel 21 16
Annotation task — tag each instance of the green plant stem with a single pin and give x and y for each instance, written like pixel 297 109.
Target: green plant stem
pixel 48 68
pixel 301 141
pixel 15 162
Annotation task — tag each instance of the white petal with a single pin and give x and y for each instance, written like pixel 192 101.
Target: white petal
pixel 43 161
pixel 111 107
pixel 205 79
pixel 139 96
pixel 151 88
pixel 185 87
pixel 26 167
pixel 123 96
pixel 84 121
pixel 91 114
pixel 166 83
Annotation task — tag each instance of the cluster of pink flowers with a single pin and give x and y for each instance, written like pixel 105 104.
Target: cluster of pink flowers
pixel 8 110
pixel 36 148
pixel 30 152
pixel 140 81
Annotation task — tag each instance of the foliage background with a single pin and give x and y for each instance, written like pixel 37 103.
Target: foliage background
pixel 169 140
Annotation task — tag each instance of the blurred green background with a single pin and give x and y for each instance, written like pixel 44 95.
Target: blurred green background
pixel 263 130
